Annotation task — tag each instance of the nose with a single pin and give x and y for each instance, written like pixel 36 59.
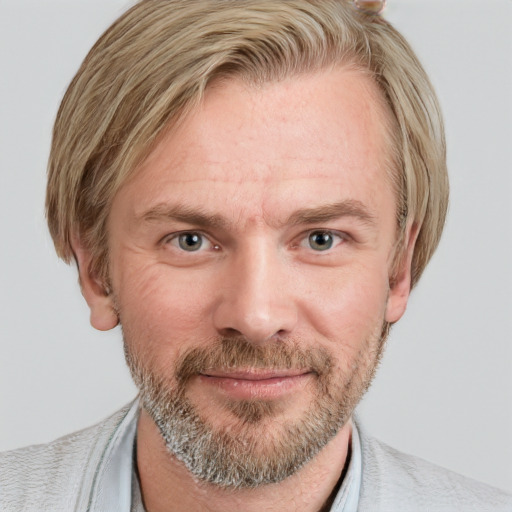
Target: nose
pixel 255 295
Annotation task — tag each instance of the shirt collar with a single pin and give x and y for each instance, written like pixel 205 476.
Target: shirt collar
pixel 112 489
pixel 347 498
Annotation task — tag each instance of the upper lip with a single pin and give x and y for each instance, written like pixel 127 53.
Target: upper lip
pixel 255 373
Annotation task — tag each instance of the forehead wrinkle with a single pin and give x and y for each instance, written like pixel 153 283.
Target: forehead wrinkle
pixel 272 174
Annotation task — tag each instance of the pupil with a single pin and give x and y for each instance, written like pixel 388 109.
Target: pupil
pixel 320 241
pixel 190 242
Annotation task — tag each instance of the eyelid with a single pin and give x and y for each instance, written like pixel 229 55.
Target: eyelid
pixel 303 238
pixel 171 237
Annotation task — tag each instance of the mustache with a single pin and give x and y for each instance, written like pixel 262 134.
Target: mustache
pixel 237 352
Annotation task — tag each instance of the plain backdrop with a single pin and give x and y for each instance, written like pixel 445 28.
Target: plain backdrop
pixel 444 391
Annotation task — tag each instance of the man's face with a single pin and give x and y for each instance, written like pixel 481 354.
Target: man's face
pixel 250 259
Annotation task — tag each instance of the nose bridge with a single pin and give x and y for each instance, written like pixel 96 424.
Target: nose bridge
pixel 256 300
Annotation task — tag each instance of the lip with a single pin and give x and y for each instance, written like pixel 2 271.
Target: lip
pixel 249 384
pixel 255 374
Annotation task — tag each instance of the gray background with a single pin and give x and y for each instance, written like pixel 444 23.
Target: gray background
pixel 444 391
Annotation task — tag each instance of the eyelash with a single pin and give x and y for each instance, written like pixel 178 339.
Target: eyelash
pixel 303 240
pixel 176 237
pixel 306 237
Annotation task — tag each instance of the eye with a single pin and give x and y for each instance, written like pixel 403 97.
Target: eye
pixel 190 241
pixel 322 240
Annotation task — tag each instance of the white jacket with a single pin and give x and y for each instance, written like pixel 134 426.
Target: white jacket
pixel 69 474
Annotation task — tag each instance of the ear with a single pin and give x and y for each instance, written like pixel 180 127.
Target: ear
pixel 99 299
pixel 400 286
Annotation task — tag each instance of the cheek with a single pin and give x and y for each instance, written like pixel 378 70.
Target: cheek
pixel 350 307
pixel 160 309
pixel 351 322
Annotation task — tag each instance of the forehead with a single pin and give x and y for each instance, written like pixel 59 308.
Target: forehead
pixel 300 136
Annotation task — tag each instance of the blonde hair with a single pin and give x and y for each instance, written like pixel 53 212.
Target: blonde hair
pixel 152 66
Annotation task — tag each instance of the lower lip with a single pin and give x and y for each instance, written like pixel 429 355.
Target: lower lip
pixel 246 389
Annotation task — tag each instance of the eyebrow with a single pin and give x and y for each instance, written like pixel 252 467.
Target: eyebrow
pixel 325 213
pixel 180 213
pixel 205 219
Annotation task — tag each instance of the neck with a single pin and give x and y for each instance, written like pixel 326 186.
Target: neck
pixel 167 485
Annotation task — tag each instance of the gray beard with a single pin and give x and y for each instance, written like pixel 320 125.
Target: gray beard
pixel 246 454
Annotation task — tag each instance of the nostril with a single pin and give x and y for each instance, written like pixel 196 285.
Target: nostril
pixel 229 332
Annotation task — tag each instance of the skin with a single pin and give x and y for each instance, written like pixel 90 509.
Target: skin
pixel 265 166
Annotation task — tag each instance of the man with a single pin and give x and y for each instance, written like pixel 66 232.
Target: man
pixel 250 189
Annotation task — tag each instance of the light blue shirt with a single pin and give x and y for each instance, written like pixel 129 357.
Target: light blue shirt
pixel 117 481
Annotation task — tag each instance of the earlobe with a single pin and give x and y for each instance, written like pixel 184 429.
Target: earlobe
pixel 100 301
pixel 400 286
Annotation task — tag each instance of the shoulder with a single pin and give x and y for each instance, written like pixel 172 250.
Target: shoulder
pixel 395 481
pixel 51 476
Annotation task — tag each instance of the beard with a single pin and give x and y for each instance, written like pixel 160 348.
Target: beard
pixel 253 447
